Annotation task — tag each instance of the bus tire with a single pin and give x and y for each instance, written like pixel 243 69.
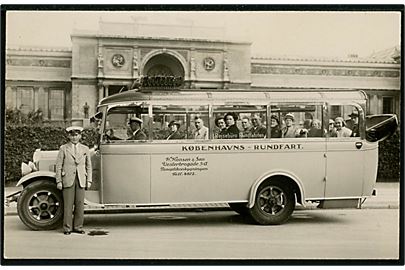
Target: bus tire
pixel 274 203
pixel 239 208
pixel 40 206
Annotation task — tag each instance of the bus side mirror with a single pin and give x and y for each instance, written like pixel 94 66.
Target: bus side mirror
pixel 380 127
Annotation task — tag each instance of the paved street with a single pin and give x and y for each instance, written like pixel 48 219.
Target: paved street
pixel 310 234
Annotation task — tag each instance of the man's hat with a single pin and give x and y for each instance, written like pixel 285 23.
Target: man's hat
pixel 74 129
pixel 174 123
pixel 135 119
pixel 354 113
pixel 289 116
pixel 331 121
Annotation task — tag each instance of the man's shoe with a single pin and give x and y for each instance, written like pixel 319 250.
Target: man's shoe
pixel 66 233
pixel 80 231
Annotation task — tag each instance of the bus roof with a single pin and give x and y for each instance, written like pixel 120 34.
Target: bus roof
pixel 235 95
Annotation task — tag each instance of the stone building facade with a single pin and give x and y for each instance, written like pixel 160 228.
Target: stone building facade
pixel 67 84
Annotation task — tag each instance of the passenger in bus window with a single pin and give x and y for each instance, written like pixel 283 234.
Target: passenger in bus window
pixel 221 128
pixel 246 129
pixel 307 124
pixel 315 130
pixel 275 127
pixel 353 124
pixel 331 129
pixel 201 132
pixel 174 131
pixel 290 130
pixel 232 131
pixel 109 133
pixel 135 125
pixel 341 129
pixel 258 130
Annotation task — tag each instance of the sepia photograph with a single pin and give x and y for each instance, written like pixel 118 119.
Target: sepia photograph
pixel 202 135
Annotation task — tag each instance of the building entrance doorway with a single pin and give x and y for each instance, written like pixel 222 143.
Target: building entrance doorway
pixel 164 65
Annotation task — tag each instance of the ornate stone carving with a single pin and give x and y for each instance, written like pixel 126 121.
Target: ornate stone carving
pixel 100 60
pixel 100 64
pixel 135 61
pixel 135 65
pixel 192 69
pixel 209 63
pixel 118 60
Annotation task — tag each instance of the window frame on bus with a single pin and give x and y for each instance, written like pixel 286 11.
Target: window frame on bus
pixel 320 104
pixel 360 108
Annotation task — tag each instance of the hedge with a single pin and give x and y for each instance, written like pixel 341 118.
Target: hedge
pixel 389 159
pixel 21 142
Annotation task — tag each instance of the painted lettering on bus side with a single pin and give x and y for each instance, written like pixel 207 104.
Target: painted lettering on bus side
pixel 281 146
pixel 255 147
pixel 184 166
pixel 190 148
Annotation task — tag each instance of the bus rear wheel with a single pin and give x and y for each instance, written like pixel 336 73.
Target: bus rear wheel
pixel 274 203
pixel 40 206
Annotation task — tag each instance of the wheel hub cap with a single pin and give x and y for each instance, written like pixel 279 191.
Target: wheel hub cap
pixel 43 206
pixel 272 200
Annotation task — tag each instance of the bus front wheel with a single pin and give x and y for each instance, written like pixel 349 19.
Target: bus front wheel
pixel 274 203
pixel 40 206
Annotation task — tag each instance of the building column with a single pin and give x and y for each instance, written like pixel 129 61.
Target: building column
pixel 100 91
pixel 379 104
pixel 41 98
pixel 106 94
pixel 36 98
pixel 14 95
pixel 373 104
pixel 10 100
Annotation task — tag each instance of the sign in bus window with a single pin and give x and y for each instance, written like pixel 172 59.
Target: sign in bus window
pixel 126 123
pixel 296 121
pixel 173 122
pixel 240 121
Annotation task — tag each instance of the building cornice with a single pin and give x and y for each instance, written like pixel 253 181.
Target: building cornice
pixel 39 49
pixel 322 61
pixel 154 38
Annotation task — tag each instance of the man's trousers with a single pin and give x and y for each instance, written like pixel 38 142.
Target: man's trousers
pixel 73 199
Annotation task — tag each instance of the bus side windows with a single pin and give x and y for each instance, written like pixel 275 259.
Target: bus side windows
pixel 168 123
pixel 343 121
pixel 297 121
pixel 175 122
pixel 240 122
pixel 126 123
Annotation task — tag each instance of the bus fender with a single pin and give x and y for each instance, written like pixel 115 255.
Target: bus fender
pixel 36 176
pixel 255 186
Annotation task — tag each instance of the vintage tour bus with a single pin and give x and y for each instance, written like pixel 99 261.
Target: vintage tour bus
pixel 259 152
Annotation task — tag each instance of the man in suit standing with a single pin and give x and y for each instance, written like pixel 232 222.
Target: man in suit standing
pixel 73 175
pixel 135 125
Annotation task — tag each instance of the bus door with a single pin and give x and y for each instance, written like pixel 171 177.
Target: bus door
pixel 125 157
pixel 303 127
pixel 345 148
